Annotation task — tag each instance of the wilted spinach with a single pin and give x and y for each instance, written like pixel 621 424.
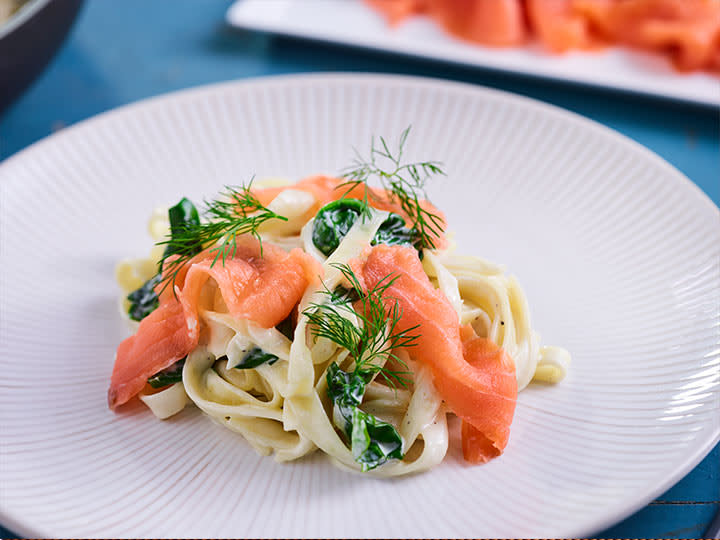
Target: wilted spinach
pixel 372 441
pixel 143 301
pixel 183 216
pixel 168 376
pixel 256 357
pixel 334 220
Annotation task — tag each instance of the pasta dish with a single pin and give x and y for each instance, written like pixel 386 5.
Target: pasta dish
pixel 331 314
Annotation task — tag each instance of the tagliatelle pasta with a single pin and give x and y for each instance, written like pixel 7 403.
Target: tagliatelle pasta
pixel 337 322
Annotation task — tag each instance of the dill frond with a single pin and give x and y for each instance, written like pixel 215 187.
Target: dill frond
pixel 404 182
pixel 378 334
pixel 234 212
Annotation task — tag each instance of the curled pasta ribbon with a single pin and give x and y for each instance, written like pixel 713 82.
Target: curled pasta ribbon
pixel 168 402
pixel 553 365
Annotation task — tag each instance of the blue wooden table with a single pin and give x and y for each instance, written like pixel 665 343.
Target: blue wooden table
pixel 122 51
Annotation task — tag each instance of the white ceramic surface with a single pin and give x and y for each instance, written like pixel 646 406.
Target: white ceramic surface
pixel 617 251
pixel 350 22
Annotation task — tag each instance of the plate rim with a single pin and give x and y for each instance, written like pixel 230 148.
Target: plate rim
pixel 614 513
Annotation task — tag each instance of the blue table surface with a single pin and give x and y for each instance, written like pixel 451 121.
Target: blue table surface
pixel 121 52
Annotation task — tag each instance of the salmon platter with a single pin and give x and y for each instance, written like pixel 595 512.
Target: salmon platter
pixel 687 31
pixel 667 48
pixel 330 314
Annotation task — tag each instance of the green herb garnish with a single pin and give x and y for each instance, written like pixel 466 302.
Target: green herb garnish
pixel 182 216
pixel 376 337
pixel 144 300
pixel 404 183
pixel 372 441
pixel 346 391
pixel 236 211
pixel 256 357
pixel 332 223
pixel 334 220
pixel 168 376
pixel 393 232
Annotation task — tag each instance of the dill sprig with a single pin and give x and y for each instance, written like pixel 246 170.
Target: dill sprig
pixel 234 212
pixel 404 182
pixel 376 337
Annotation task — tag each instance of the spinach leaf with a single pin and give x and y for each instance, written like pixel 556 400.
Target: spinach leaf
pixel 332 223
pixel 372 441
pixel 346 391
pixel 341 295
pixel 168 376
pixel 334 220
pixel 256 357
pixel 182 216
pixel 143 301
pixel 393 232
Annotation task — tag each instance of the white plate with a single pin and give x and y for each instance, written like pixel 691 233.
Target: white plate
pixel 351 22
pixel 618 253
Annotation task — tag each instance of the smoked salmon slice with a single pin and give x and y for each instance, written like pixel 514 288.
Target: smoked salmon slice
pixel 163 338
pixel 558 25
pixel 397 10
pixel 488 22
pixel 473 376
pixel 322 187
pixel 687 30
pixel 263 288
pixel 480 443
